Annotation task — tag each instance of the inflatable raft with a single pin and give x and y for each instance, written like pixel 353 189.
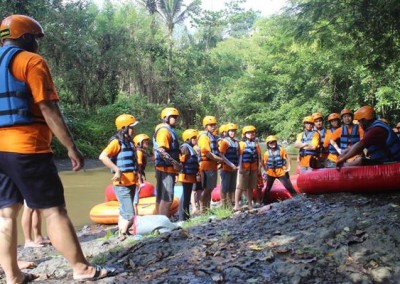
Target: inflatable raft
pixel 107 213
pixel 278 191
pixel 359 179
pixel 147 190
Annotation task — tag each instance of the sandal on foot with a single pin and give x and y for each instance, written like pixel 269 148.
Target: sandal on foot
pixel 110 271
pixel 28 277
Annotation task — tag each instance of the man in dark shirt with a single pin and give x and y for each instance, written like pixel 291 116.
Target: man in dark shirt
pixel 381 142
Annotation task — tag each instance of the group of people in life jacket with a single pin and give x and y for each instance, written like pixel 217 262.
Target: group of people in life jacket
pixel 351 139
pixel 203 155
pixel 195 163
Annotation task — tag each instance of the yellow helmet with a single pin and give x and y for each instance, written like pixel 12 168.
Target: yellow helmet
pixel 248 128
pixel 189 134
pixel 209 120
pixel 231 126
pixel 317 115
pixel 125 120
pixel 270 139
pixel 365 112
pixel 309 119
pixel 138 139
pixel 168 111
pixel 15 26
pixel 333 116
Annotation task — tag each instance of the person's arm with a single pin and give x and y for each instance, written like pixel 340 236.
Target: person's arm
pixel 351 152
pixel 54 119
pixel 335 145
pixel 287 158
pixel 109 164
pixel 213 157
pixel 166 157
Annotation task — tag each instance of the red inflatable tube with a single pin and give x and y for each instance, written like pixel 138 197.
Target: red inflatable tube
pixel 359 179
pixel 147 190
pixel 277 193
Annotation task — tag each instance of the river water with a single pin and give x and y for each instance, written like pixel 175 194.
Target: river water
pixel 83 190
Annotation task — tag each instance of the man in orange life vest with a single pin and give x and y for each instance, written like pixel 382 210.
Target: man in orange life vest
pixel 348 134
pixel 27 169
pixel 308 143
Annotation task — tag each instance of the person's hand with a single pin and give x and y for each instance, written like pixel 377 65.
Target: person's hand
pixel 117 176
pixel 77 159
pixel 178 166
pixel 339 163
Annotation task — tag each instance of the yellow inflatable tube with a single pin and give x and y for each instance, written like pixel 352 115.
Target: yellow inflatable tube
pixel 108 212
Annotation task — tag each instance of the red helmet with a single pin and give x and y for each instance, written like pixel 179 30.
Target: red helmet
pixel 15 26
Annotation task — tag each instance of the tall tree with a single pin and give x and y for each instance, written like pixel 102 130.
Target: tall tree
pixel 174 12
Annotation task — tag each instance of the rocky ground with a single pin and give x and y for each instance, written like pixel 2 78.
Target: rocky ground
pixel 336 238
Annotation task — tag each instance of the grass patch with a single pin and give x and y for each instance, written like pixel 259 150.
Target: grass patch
pixel 218 212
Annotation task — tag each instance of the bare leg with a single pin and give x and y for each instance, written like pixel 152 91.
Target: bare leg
pixel 8 244
pixel 64 239
pixel 164 208
pixel 238 195
pixel 22 264
pixel 250 198
pixel 26 223
pixel 205 200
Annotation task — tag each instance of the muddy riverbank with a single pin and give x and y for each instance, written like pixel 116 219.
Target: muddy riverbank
pixel 336 238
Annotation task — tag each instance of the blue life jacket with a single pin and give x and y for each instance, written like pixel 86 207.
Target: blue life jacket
pixel 213 145
pixel 173 150
pixel 126 160
pixel 321 148
pixel 307 138
pixel 191 166
pixel 250 154
pixel 391 151
pixel 15 98
pixel 232 153
pixel 347 139
pixel 332 149
pixel 275 160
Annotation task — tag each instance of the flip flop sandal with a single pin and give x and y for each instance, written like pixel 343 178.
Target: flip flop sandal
pixel 110 271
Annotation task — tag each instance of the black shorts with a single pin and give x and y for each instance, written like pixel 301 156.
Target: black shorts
pixel 30 177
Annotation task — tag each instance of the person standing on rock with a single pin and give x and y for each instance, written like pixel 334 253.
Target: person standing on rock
pixel 120 157
pixel 29 116
pixel 249 166
pixel 166 159
pixel 307 142
pixel 209 159
pixel 277 166
pixel 189 172
pixel 229 151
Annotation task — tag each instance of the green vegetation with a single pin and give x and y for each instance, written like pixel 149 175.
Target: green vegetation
pixel 138 57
